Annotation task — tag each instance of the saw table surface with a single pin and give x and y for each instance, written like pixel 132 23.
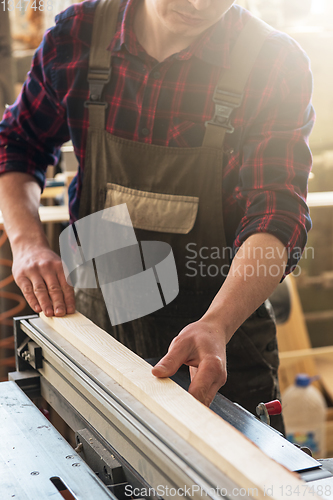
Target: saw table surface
pixel 35 460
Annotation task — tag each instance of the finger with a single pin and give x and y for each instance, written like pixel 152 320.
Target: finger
pixel 68 292
pixel 27 289
pixel 56 294
pixel 193 372
pixel 41 293
pixel 177 355
pixel 210 376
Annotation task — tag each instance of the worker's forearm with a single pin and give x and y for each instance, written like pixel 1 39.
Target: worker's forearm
pixel 37 270
pixel 202 344
pixel 19 202
pixel 255 272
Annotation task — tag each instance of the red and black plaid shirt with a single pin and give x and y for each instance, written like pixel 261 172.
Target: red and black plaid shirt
pixel 267 159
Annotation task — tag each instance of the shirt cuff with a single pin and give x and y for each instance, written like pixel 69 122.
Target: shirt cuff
pixel 20 167
pixel 293 236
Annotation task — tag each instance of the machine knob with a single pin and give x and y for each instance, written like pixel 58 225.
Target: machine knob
pixel 274 407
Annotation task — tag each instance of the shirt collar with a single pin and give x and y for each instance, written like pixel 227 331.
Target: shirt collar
pixel 213 46
pixel 125 36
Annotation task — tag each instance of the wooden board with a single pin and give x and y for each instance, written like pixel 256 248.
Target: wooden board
pixel 296 353
pixel 315 352
pixel 293 335
pixel 325 369
pixel 329 432
pixel 214 438
pixel 52 192
pixel 321 199
pixel 50 214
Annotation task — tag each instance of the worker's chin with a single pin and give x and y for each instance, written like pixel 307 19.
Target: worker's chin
pixel 187 26
pixel 189 32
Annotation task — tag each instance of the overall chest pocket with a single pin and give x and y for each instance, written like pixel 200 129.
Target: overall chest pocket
pixel 155 211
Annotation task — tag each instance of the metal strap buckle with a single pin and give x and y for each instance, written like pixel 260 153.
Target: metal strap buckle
pixel 97 79
pixel 92 103
pixel 223 110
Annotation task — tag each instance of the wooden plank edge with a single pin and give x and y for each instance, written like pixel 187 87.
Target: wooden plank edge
pixel 306 353
pixel 57 213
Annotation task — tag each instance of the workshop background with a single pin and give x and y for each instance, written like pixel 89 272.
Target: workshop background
pixel 305 326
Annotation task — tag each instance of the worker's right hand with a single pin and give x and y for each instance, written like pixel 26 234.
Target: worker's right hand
pixel 39 273
pixel 202 346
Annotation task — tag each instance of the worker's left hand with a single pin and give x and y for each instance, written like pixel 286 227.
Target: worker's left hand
pixel 202 347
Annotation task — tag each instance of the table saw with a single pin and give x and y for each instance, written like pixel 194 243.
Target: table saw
pixel 122 449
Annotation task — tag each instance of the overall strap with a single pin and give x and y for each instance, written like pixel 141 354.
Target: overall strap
pixel 228 93
pixel 99 72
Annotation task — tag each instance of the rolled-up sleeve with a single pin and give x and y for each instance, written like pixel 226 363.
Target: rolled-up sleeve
pixel 34 127
pixel 276 160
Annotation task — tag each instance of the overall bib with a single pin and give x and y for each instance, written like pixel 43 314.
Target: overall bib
pixel 173 195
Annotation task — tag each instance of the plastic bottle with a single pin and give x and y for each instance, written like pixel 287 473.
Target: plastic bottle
pixel 304 411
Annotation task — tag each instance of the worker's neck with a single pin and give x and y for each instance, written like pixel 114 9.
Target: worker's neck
pixel 157 41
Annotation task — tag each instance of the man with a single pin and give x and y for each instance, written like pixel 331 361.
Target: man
pixel 145 141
